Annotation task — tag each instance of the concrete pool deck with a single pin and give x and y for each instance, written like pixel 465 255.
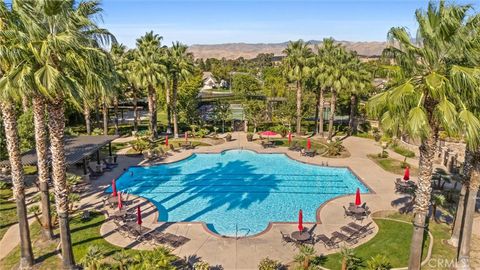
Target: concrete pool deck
pixel 245 253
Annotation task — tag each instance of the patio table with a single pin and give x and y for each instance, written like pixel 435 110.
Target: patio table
pixel 357 210
pixel 119 213
pixel 134 226
pixel 301 236
pixel 309 153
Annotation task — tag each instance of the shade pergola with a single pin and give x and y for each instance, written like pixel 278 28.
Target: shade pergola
pixel 76 149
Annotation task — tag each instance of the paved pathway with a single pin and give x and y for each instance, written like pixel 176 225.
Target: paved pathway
pixel 245 253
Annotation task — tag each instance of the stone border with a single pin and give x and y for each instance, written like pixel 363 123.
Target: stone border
pixel 271 223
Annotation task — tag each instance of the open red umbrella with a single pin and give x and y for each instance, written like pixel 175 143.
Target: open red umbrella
pixel 186 136
pixel 309 144
pixel 139 215
pixel 166 140
pixel 406 175
pixel 289 138
pixel 120 201
pixel 358 201
pixel 300 220
pixel 114 188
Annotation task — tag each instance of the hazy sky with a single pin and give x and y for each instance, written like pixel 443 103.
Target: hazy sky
pixel 207 22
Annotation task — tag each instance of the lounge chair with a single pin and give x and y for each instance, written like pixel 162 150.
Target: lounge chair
pixel 293 147
pixel 342 237
pixel 362 229
pixel 328 242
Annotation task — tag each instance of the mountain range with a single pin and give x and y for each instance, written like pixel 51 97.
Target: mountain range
pixel 251 50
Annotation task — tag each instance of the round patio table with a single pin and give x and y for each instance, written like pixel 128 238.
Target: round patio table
pixel 301 236
pixel 357 210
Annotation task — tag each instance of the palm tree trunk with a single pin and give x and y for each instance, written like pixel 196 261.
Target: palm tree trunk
pixel 422 197
pixel 115 111
pixel 472 190
pixel 42 163
pixel 320 111
pixel 135 110
pixel 13 147
pixel 105 117
pixel 86 114
pixel 353 109
pixel 152 112
pixel 97 114
pixel 25 103
pixel 174 106
pixel 299 107
pixel 56 126
pixel 457 226
pixel 333 103
pixel 169 113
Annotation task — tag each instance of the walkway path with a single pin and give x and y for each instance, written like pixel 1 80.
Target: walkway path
pixel 245 253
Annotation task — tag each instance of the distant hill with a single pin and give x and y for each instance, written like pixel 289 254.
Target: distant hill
pixel 250 50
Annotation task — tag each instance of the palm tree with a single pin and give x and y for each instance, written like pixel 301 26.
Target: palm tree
pixel 297 61
pixel 150 71
pixel 11 134
pixel 305 256
pixel 8 91
pixel 180 67
pixel 92 257
pixel 360 81
pixel 425 93
pixel 61 39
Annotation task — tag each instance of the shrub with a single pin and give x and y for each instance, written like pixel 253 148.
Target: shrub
pixel 404 164
pixel 365 127
pixel 383 154
pixel 376 134
pixel 202 133
pixel 269 264
pixel 379 262
pixel 201 265
pixel 97 131
pixel 139 144
pixel 228 137
pixel 249 137
pixel 335 148
pixel 281 129
pixel 4 185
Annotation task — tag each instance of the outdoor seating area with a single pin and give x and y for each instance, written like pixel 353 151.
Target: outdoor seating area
pixel 268 144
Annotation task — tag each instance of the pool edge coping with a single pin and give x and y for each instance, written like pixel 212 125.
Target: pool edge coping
pixel 271 223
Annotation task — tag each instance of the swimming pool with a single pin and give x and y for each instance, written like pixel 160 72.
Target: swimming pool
pixel 238 192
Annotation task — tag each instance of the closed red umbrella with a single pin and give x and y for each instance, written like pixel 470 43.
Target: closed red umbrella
pixel 139 215
pixel 114 188
pixel 120 201
pixel 309 144
pixel 406 175
pixel 186 136
pixel 166 140
pixel 358 200
pixel 289 138
pixel 300 220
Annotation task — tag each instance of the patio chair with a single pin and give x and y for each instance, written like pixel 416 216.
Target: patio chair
pixel 329 243
pixel 342 237
pixel 366 229
pixel 286 239
pixel 172 148
pixel 349 230
pixel 108 164
pixel 346 212
pixel 293 147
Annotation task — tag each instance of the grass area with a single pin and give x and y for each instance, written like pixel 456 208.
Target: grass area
pixel 365 135
pixel 84 235
pixel 30 170
pixel 393 241
pixel 392 165
pixel 403 151
pixel 8 211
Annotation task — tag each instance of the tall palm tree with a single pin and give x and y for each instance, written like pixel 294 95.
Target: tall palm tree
pixel 426 94
pixel 360 81
pixel 180 67
pixel 8 54
pixel 61 39
pixel 150 71
pixel 297 66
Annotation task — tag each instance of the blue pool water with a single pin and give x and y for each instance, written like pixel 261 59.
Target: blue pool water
pixel 238 191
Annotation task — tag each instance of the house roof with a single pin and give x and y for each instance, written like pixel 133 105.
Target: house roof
pixel 76 148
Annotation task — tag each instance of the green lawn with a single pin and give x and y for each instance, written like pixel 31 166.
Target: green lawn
pixel 84 234
pixel 8 211
pixel 392 165
pixel 392 240
pixel 403 151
